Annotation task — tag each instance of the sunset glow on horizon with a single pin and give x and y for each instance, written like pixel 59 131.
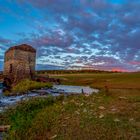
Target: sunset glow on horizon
pixel 74 34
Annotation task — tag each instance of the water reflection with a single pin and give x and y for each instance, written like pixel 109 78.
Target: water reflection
pixel 55 91
pixel 76 89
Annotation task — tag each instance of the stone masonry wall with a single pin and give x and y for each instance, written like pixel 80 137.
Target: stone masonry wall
pixel 9 59
pixel 19 64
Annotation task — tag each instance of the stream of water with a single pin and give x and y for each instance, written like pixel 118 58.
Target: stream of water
pixel 55 91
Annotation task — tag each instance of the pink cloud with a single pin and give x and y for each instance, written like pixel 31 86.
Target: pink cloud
pixel 134 62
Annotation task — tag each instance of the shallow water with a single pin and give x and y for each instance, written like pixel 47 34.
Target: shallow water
pixel 1 86
pixel 76 89
pixel 0 91
pixel 55 91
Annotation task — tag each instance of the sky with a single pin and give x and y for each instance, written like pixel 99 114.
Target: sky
pixel 74 34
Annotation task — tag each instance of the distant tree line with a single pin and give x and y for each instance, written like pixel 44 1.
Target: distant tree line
pixel 70 71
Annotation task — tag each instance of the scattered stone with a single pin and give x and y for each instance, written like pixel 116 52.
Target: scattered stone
pixel 101 116
pixel 77 112
pixel 4 128
pixel 122 97
pixel 63 103
pixel 101 107
pixel 85 110
pixel 64 125
pixel 113 109
pixel 53 137
pixel 116 120
pixel 131 119
pixel 72 101
pixel 41 91
pixel 66 118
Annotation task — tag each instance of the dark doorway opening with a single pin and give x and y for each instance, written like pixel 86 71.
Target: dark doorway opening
pixel 11 68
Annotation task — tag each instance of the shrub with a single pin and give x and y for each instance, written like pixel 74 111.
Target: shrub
pixel 26 85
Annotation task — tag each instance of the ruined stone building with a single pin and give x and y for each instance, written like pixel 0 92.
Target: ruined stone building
pixel 19 62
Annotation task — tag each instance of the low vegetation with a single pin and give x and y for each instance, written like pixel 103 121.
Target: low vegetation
pixel 98 116
pixel 100 80
pixel 27 85
pixel 112 114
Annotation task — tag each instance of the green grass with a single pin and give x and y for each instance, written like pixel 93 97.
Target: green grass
pixel 113 114
pixel 74 117
pixel 26 85
pixel 112 80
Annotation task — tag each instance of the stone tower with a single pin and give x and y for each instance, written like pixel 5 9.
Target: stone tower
pixel 19 63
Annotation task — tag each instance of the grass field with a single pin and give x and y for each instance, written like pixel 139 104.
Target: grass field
pixel 113 114
pixel 112 80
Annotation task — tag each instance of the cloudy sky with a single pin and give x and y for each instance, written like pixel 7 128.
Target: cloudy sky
pixel 98 34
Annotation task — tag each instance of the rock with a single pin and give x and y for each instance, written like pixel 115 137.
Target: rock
pixel 116 120
pixel 101 107
pixel 4 128
pixel 85 110
pixel 131 119
pixel 113 109
pixel 64 125
pixel 63 103
pixel 77 112
pixel 53 137
pixel 41 91
pixel 67 118
pixel 101 116
pixel 122 97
